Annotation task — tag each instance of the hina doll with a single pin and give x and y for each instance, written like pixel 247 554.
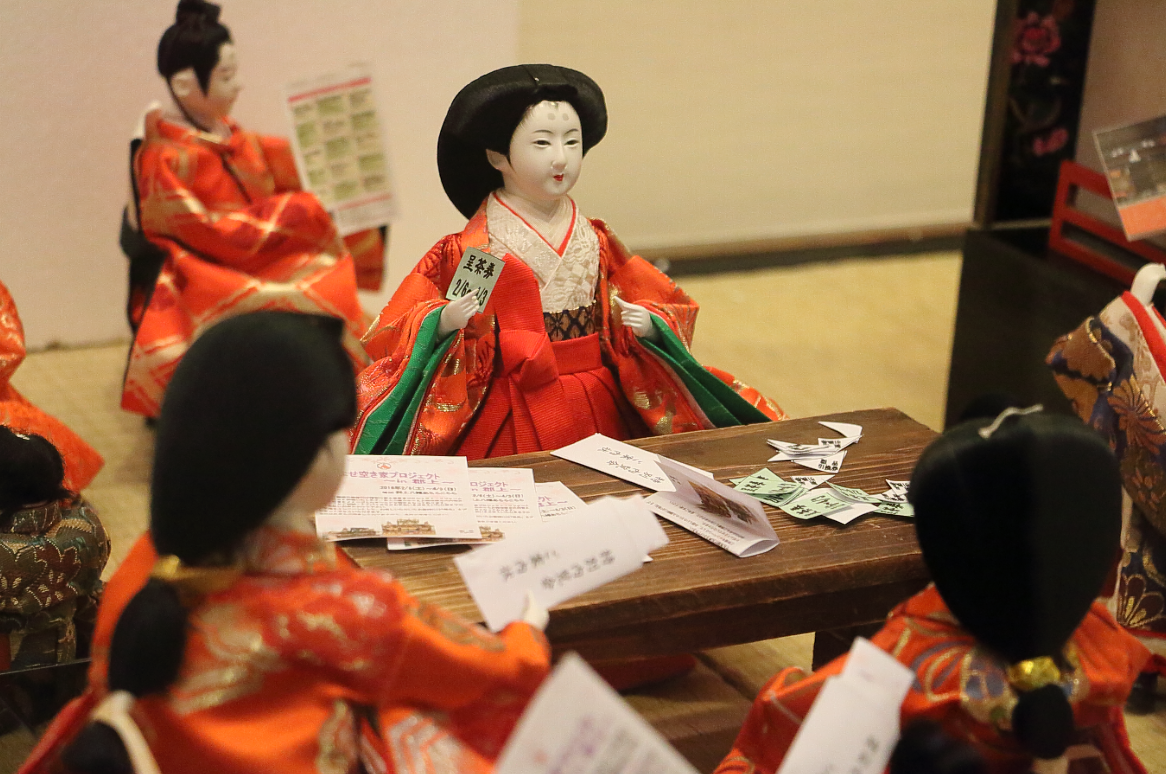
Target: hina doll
pixel 1112 370
pixel 81 461
pixel 233 640
pixel 224 207
pixel 52 551
pixel 578 336
pixel 1018 519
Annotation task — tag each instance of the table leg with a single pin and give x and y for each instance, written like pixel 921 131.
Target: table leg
pixel 829 645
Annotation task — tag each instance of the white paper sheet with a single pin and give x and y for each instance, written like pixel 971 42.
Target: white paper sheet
pixel 400 496
pixel 621 460
pixel 577 724
pixel 843 428
pixel 339 147
pixel 854 723
pixel 555 561
pixel 556 499
pixel 504 500
pixel 720 514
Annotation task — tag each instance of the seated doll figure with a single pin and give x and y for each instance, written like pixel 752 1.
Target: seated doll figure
pixel 1018 518
pixel 225 206
pixel 52 551
pixel 81 461
pixel 252 645
pixel 578 336
pixel 1113 370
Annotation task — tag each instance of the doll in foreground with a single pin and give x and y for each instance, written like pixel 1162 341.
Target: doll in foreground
pixel 252 646
pixel 578 337
pixel 1018 518
pixel 224 206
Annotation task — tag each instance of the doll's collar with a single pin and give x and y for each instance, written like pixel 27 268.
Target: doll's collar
pixel 158 126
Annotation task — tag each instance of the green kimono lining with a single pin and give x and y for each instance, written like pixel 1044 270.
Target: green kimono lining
pixel 719 402
pixel 387 428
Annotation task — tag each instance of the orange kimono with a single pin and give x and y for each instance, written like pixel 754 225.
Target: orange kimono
pixel 965 689
pixel 523 377
pixel 82 462
pixel 239 237
pixel 308 665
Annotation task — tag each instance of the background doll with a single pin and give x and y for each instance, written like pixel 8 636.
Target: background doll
pixel 1018 519
pixel 578 337
pixel 253 646
pixel 81 461
pixel 225 207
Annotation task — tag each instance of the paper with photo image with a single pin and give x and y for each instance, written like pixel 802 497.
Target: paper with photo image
pixel 720 514
pixel 400 496
pixel 559 560
pixel 576 723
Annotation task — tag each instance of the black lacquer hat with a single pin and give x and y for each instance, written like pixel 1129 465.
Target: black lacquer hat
pixel 485 114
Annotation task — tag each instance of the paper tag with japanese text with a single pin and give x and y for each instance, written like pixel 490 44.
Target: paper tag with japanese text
pixel 555 561
pixel 622 460
pixel 853 725
pixel 821 502
pixel 576 723
pixel 478 272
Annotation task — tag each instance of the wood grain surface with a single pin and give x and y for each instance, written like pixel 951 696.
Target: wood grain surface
pixel 694 595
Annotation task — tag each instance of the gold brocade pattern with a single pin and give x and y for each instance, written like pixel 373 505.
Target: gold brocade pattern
pixel 454 628
pixel 339 742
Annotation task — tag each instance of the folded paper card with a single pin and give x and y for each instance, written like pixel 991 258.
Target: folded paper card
pixel 853 725
pixel 576 723
pixel 720 514
pixel 622 460
pixel 559 560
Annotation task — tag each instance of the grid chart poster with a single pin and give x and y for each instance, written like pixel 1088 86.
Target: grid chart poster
pixel 339 147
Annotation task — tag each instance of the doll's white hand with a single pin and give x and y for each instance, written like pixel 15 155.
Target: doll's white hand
pixel 456 314
pixel 638 319
pixel 535 614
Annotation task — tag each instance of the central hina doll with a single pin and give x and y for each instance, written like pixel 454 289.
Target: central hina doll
pixel 578 335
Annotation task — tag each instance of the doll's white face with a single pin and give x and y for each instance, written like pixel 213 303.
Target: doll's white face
pixel 546 153
pixel 222 89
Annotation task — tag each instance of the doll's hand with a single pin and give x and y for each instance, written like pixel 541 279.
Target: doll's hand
pixel 535 614
pixel 456 314
pixel 638 319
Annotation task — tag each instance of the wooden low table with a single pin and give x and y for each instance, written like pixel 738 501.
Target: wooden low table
pixel 823 576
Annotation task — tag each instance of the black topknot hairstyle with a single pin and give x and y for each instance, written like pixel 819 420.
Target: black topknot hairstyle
pixel 193 41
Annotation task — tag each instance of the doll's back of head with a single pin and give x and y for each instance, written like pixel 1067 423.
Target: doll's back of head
pixel 192 41
pixel 250 406
pixel 1019 519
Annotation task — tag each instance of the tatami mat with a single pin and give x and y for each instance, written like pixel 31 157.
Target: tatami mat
pixel 817 338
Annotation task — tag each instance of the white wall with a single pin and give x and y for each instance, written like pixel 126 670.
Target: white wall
pixel 75 75
pixel 731 120
pixel 752 119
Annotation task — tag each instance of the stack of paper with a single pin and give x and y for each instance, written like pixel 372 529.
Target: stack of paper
pixel 576 723
pixel 574 554
pixel 854 723
pixel 401 496
pixel 800 499
pixel 825 456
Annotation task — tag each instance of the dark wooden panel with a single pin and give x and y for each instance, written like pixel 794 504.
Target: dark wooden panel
pixel 694 595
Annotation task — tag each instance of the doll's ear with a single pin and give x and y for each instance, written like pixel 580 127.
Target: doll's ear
pixel 184 82
pixel 498 160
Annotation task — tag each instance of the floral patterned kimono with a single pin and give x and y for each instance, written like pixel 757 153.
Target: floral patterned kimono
pixel 965 689
pixel 307 664
pixel 548 363
pixel 239 236
pixel 82 462
pixel 1111 368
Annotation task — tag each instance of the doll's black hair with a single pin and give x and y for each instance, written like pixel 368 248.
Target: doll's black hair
pixel 31 471
pixel 248 409
pixel 193 41
pixel 1038 497
pixel 485 113
pixel 925 748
